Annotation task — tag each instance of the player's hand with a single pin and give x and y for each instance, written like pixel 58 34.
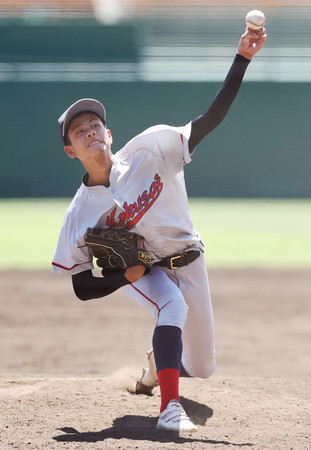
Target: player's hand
pixel 134 273
pixel 251 42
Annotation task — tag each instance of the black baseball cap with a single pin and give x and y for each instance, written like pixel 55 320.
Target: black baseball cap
pixel 83 105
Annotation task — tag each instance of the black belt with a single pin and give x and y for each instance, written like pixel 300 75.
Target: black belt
pixel 175 261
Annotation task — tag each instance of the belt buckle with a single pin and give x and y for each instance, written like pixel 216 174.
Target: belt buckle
pixel 172 263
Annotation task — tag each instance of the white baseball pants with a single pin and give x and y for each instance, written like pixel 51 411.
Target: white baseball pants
pixel 181 298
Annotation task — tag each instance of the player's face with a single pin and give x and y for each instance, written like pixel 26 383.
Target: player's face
pixel 88 136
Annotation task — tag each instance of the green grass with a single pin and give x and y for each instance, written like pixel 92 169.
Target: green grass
pixel 30 230
pixel 237 233
pixel 255 233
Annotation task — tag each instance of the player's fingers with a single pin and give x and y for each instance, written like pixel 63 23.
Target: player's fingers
pixel 248 37
pixel 260 37
pixel 253 34
pixel 263 38
pixel 262 33
pixel 258 45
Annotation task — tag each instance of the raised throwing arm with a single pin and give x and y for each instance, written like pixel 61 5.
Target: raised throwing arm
pixel 250 43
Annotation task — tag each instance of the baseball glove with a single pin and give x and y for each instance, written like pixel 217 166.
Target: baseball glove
pixel 116 249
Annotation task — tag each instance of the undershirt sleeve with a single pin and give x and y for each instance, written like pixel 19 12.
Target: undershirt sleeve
pixel 204 124
pixel 87 287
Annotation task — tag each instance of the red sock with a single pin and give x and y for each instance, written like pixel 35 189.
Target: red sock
pixel 169 386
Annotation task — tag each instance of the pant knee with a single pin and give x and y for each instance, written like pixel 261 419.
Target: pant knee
pixel 200 370
pixel 208 370
pixel 173 313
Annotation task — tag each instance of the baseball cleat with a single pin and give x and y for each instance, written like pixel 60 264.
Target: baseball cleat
pixel 174 418
pixel 149 377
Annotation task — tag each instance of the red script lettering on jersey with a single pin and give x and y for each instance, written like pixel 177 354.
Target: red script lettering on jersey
pixel 133 212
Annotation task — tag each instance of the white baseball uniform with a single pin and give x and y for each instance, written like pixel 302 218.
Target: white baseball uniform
pixel 147 195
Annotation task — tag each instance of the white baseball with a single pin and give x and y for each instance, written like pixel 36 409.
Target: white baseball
pixel 255 19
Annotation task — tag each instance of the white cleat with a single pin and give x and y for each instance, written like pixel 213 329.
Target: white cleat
pixel 174 418
pixel 149 377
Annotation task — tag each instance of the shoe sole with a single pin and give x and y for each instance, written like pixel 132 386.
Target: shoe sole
pixel 178 430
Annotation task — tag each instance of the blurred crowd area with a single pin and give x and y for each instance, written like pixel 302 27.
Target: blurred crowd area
pixel 115 10
pixel 184 40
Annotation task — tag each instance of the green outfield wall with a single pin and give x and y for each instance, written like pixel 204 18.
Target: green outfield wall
pixel 262 149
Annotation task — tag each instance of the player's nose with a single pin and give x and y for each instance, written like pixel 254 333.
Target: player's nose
pixel 91 133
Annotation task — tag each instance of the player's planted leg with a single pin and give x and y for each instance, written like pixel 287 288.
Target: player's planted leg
pixel 167 346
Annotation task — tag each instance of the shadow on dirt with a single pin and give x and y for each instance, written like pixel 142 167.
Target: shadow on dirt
pixel 142 428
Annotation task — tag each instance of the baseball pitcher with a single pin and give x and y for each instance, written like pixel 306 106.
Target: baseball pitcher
pixel 131 215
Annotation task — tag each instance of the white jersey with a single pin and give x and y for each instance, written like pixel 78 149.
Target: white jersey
pixel 146 195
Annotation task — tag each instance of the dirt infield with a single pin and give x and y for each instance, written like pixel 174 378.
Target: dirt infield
pixel 67 367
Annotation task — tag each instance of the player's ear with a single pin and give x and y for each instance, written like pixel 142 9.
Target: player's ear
pixel 70 152
pixel 109 135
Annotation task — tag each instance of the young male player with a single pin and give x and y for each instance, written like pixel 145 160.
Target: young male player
pixel 141 188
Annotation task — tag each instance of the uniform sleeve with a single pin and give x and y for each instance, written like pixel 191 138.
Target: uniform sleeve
pixel 170 144
pixel 71 255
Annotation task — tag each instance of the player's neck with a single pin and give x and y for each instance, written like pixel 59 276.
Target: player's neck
pixel 98 173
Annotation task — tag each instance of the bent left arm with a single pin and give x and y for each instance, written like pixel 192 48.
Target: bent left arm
pixel 250 43
pixel 88 287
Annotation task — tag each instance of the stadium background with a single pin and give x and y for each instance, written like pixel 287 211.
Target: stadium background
pixel 156 62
